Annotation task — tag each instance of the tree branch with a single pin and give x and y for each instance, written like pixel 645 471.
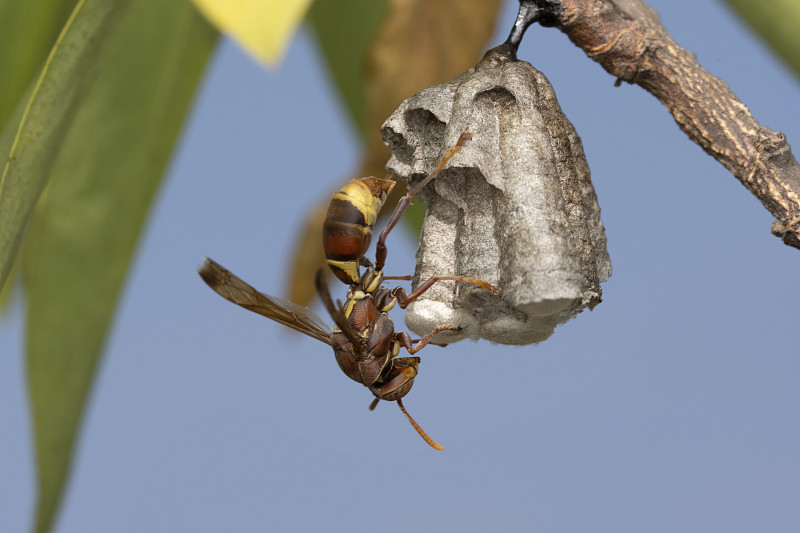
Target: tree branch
pixel 626 37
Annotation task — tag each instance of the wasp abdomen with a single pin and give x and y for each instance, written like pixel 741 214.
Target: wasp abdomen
pixel 347 230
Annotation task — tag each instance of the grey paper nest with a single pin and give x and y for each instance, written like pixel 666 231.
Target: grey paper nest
pixel 515 207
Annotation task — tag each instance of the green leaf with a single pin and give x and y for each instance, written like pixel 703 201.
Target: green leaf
pixel 344 30
pixel 379 53
pixel 27 32
pixel 84 231
pixel 66 75
pixel 778 23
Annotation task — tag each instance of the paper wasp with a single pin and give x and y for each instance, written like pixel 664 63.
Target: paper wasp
pixel 363 338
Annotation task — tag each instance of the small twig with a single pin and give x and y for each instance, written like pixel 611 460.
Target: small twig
pixel 627 38
pixel 545 12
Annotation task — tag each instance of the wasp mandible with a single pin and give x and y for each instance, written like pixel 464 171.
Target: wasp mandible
pixel 363 338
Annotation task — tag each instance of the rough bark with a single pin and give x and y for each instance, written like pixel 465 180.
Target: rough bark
pixel 627 38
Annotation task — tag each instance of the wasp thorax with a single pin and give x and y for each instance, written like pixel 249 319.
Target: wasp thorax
pixel 354 293
pixel 371 280
pixel 515 207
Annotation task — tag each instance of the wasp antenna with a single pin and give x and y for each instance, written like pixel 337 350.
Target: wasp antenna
pixel 374 404
pixel 432 443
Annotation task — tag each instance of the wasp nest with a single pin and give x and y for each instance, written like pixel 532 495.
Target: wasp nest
pixel 514 207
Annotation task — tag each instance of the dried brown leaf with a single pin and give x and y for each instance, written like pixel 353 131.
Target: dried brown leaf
pixel 419 44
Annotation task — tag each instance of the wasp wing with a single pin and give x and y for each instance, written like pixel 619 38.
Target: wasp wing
pixel 233 289
pixel 336 313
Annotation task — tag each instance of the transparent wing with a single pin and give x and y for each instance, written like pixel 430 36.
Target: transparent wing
pixel 233 289
pixel 336 313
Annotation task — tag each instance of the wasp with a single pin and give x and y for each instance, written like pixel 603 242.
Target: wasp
pixel 363 338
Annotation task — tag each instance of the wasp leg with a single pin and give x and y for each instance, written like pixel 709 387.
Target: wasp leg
pixel 439 344
pixel 405 339
pixel 405 201
pixel 404 298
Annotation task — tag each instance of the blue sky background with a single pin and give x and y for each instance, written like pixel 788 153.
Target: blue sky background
pixel 673 406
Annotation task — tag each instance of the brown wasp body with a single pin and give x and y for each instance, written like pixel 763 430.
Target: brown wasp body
pixel 363 338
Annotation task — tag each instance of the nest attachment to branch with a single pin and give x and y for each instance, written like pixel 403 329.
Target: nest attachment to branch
pixel 515 207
